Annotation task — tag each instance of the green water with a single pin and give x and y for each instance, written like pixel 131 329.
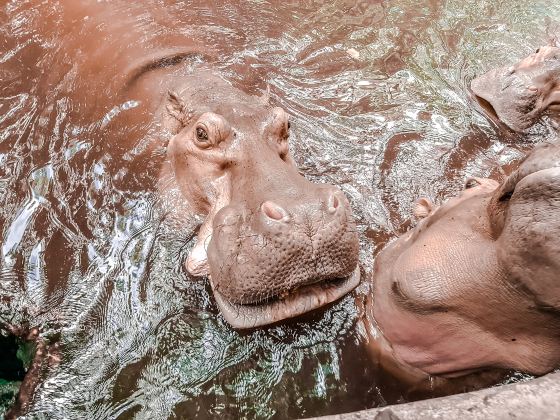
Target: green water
pixel 15 358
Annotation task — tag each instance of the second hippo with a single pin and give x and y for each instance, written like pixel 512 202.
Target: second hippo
pixel 475 285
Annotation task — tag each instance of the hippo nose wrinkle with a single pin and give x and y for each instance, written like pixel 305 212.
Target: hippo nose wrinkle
pixel 274 212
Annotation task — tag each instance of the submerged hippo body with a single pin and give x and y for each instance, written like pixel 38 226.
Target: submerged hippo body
pixel 521 94
pixel 476 284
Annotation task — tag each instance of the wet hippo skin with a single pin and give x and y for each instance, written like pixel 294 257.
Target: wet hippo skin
pixel 475 284
pixel 522 93
pixel 273 244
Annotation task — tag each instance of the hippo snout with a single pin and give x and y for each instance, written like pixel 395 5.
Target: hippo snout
pixel 267 256
pixel 519 94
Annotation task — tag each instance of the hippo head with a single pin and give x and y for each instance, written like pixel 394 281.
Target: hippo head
pixel 273 244
pixel 475 283
pixel 520 94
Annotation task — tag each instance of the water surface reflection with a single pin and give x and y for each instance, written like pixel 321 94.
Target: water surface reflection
pixel 378 93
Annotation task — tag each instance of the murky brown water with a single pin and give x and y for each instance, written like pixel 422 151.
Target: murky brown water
pixel 88 257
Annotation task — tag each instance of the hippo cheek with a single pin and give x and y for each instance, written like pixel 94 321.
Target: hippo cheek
pixel 530 242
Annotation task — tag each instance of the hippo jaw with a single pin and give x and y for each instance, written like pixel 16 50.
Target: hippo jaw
pixel 263 271
pixel 301 301
pixel 519 95
pixel 273 244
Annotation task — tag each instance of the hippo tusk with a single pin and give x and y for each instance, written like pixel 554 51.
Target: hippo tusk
pixel 197 260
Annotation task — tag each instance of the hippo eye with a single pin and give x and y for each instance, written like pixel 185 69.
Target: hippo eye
pixel 506 196
pixel 471 183
pixel 201 134
pixel 537 51
pixel 289 124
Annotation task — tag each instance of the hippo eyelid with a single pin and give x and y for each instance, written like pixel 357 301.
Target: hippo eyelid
pixel 506 196
pixel 471 183
pixel 202 138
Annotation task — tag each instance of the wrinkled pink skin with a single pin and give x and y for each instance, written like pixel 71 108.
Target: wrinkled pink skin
pixel 475 284
pixel 519 95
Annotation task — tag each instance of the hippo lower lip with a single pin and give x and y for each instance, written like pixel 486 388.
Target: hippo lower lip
pixel 306 299
pixel 487 106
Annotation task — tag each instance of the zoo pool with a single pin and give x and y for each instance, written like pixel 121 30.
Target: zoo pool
pixel 379 103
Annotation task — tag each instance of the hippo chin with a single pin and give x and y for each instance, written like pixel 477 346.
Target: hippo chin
pixel 520 94
pixel 475 284
pixel 273 244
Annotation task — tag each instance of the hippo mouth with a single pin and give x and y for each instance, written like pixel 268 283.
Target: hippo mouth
pixel 299 301
pixel 487 107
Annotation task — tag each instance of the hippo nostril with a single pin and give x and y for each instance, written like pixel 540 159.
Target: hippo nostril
pixel 274 211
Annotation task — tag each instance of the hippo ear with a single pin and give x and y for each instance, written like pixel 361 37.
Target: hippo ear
pixel 423 208
pixel 177 115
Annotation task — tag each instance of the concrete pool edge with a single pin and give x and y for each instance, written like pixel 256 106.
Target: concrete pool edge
pixel 535 399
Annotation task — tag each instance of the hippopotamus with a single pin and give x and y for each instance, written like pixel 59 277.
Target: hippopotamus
pixel 273 244
pixel 474 285
pixel 520 94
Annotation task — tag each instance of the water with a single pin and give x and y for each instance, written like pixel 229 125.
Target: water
pixel 378 94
